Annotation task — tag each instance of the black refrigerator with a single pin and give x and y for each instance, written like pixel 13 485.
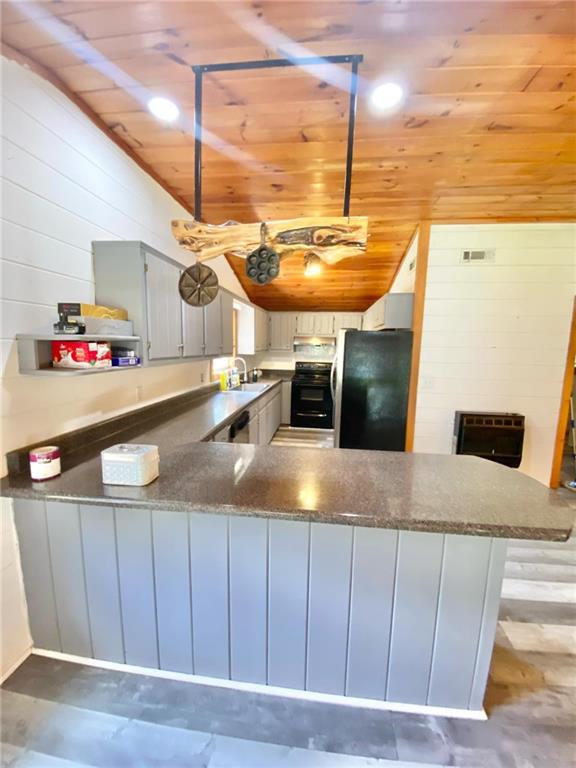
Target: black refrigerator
pixel 370 382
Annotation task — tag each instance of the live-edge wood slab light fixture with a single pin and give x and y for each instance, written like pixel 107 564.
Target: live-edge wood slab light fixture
pixel 329 239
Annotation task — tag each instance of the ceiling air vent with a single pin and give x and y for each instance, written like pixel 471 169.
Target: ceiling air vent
pixel 478 257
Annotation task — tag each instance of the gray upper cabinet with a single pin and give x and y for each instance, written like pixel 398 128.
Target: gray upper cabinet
pixel 282 330
pixel 213 338
pixel 192 330
pixel 164 313
pixel 227 310
pixel 143 281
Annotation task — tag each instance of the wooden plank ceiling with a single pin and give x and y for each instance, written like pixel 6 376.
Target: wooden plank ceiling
pixel 486 131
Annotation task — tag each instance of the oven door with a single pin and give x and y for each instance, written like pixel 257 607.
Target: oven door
pixel 311 405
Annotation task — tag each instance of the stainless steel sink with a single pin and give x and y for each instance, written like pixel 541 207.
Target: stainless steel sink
pixel 250 387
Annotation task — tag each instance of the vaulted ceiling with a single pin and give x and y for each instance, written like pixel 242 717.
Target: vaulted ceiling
pixel 486 131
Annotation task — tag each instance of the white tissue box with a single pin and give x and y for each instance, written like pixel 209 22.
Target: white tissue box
pixel 130 464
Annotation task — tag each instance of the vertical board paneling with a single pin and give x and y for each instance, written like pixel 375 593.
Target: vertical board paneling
pixel 328 607
pixel 172 572
pixel 102 588
pixel 373 570
pixel 288 602
pixel 419 564
pixel 248 598
pixel 30 521
pixel 65 543
pixel 135 565
pixel 489 622
pixel 466 561
pixel 209 573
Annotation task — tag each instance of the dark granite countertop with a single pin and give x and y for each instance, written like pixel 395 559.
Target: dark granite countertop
pixel 402 491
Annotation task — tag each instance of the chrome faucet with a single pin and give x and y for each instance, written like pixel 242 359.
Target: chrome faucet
pixel 245 366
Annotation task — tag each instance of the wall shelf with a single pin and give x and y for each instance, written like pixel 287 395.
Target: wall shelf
pixel 35 353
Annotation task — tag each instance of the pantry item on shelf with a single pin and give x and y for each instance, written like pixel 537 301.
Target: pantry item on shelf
pixel 45 462
pixel 78 309
pixel 74 317
pixel 105 326
pixel 81 354
pixel 130 464
pixel 123 358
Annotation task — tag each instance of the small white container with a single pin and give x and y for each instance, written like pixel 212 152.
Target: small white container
pixel 130 464
pixel 45 462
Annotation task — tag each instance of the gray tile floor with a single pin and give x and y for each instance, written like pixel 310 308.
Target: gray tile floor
pixel 61 715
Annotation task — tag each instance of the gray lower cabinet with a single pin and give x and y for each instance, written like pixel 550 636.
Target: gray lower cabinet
pixel 286 401
pixel 270 418
pixel 399 616
pixel 254 429
pixel 135 276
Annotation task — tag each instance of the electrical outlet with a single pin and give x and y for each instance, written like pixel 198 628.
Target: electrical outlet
pixel 202 377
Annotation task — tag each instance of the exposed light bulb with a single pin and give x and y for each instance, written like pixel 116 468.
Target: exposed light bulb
pixel 163 109
pixel 386 95
pixel 312 265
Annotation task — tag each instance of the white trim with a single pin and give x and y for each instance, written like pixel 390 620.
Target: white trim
pixel 271 690
pixel 16 664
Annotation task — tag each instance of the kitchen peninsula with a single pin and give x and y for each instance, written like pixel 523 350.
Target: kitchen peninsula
pixel 366 577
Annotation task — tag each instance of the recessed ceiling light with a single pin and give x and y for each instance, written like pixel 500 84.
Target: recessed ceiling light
pixel 163 109
pixel 386 96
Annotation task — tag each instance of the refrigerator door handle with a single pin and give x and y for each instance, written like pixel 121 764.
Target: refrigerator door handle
pixel 333 377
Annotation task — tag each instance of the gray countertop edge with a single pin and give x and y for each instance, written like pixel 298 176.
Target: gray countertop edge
pixel 304 515
pixel 229 419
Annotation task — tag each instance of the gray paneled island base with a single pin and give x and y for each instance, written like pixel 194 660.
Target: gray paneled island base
pixel 369 578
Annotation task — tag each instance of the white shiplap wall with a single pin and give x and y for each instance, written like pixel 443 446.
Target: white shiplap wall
pixel 495 335
pixel 64 184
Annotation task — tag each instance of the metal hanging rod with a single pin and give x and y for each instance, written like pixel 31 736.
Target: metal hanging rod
pixel 201 69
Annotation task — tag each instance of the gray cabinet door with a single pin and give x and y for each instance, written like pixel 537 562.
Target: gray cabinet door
pixel 164 309
pixel 397 310
pixel 213 327
pixel 192 330
pixel 226 304
pixel 282 330
pixel 286 401
pixel 305 324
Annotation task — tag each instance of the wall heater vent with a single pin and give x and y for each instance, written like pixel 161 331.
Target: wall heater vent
pixel 478 257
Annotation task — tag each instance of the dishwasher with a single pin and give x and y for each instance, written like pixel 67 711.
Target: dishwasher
pixel 237 432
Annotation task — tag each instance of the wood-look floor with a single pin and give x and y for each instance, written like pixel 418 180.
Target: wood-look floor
pixel 304 438
pixel 60 715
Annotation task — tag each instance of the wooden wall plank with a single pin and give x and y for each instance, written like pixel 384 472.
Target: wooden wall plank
pixel 210 594
pixel 288 563
pixel 489 622
pixel 328 607
pixel 172 582
pixel 31 525
pixel 462 592
pixel 248 599
pixel 414 616
pixel 136 570
pixel 373 573
pixel 102 586
pixel 417 327
pixel 66 556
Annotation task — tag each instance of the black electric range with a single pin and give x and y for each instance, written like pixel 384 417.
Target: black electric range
pixel 311 404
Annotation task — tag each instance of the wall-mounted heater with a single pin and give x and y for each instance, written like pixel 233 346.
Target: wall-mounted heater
pixel 497 437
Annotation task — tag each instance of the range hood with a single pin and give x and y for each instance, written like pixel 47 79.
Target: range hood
pixel 314 341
